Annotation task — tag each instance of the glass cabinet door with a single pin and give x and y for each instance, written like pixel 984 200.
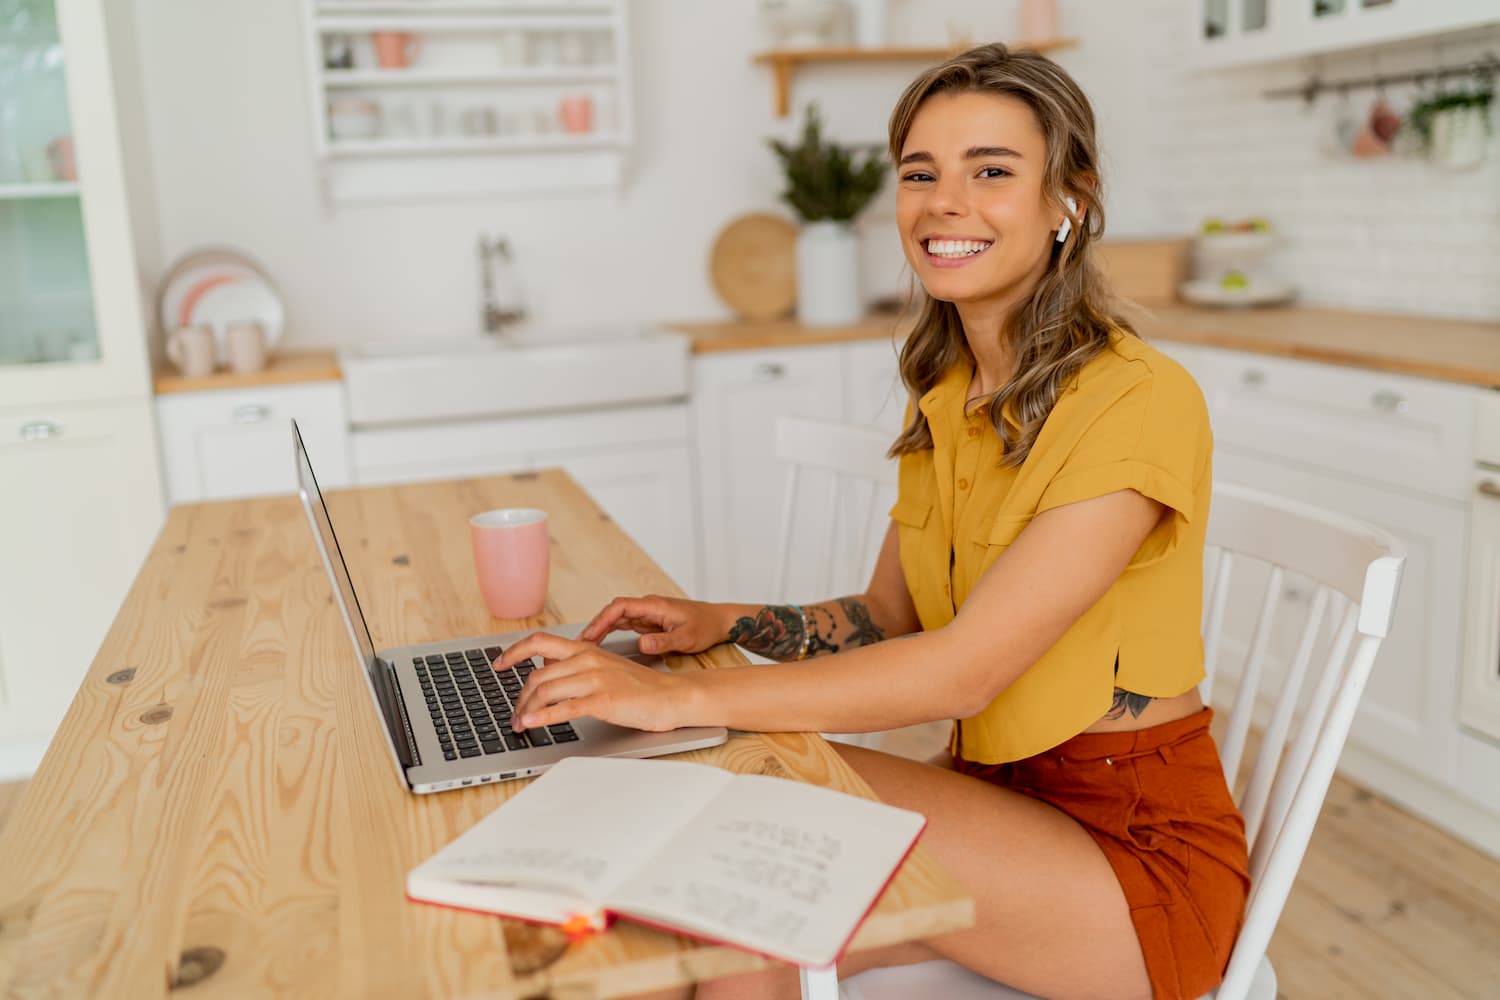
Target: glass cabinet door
pixel 46 297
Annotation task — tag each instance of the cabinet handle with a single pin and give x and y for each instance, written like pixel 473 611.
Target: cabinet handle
pixel 1390 402
pixel 1253 377
pixel 250 413
pixel 40 430
pixel 1489 488
pixel 769 371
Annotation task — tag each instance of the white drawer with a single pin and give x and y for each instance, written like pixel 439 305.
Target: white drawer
pixel 238 442
pixel 1417 434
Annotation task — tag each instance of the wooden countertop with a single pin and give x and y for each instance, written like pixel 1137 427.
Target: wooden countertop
pixel 283 369
pixel 1453 350
pixel 219 808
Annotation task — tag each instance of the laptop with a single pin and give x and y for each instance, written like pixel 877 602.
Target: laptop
pixel 447 712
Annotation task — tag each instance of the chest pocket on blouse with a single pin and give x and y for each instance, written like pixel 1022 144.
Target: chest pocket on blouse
pixel 998 536
pixel 913 517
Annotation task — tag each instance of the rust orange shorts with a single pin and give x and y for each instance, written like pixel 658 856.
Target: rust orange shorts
pixel 1156 802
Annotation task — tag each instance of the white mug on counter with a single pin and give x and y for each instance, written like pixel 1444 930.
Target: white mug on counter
pixel 246 343
pixel 191 349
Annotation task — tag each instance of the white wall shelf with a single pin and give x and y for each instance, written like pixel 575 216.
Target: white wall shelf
pixel 440 78
pixel 491 98
pixel 435 147
pixel 38 189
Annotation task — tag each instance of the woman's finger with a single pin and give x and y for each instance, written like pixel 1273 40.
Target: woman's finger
pixel 543 644
pixel 549 692
pixel 600 625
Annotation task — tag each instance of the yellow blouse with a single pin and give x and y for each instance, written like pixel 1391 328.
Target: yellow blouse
pixel 1133 419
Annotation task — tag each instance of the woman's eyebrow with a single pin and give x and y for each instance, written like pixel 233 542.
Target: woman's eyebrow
pixel 972 153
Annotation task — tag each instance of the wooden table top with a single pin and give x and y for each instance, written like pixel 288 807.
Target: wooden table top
pixel 218 807
pixel 283 368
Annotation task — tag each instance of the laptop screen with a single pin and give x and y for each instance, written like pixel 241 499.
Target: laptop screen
pixel 333 557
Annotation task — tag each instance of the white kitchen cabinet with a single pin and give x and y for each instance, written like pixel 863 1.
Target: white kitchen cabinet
pixel 1407 712
pixel 80 507
pixel 636 461
pixel 737 397
pixel 1240 32
pixel 226 443
pixel 80 493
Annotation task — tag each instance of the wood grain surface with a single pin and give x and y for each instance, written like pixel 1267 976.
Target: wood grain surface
pixel 284 368
pixel 1430 347
pixel 219 808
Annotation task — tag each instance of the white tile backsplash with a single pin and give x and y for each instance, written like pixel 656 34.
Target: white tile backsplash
pixel 1392 234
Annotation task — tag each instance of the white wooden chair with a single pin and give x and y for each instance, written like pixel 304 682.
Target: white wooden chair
pixel 853 489
pixel 1305 714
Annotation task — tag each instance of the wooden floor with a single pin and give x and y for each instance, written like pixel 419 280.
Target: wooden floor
pixel 1385 907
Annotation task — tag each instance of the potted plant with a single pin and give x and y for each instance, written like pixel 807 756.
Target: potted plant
pixel 1453 128
pixel 827 186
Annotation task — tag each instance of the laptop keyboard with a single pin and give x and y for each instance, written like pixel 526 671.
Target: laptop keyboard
pixel 470 703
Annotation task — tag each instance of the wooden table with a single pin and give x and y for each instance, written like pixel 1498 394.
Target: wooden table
pixel 218 807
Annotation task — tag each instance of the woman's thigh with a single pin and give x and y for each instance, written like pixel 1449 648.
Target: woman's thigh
pixel 1050 917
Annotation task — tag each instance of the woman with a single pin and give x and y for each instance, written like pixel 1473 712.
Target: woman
pixel 1044 561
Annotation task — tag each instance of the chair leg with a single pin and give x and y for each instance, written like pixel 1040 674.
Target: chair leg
pixel 820 984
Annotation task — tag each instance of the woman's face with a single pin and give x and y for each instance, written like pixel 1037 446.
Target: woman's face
pixel 969 204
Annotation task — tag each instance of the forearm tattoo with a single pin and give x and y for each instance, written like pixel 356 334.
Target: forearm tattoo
pixel 775 631
pixel 1136 703
pixel 862 629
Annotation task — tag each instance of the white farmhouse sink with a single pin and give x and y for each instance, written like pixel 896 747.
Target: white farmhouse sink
pixel 526 370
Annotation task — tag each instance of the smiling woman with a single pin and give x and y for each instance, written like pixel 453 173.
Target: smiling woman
pixel 1043 570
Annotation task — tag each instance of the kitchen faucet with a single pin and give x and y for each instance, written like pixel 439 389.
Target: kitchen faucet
pixel 498 315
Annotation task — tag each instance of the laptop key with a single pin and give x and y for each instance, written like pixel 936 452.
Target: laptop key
pixel 561 727
pixel 469 752
pixel 493 746
pixel 538 738
pixel 514 740
pixel 449 755
pixel 493 652
pixel 568 737
pixel 434 659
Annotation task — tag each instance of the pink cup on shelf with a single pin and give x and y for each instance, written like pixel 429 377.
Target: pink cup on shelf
pixel 394 49
pixel 576 114
pixel 512 559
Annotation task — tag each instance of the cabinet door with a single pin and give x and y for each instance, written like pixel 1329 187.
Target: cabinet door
pixel 1407 714
pixel 736 401
pixel 876 395
pixel 237 443
pixel 649 493
pixel 78 512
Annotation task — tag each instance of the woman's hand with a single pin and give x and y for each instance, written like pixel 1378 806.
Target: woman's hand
pixel 665 624
pixel 580 679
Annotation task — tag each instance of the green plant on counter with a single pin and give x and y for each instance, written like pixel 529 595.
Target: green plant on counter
pixel 827 182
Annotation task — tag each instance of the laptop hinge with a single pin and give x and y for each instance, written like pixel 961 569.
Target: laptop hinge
pixel 405 739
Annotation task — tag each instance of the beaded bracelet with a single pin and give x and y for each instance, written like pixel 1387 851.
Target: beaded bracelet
pixel 806 633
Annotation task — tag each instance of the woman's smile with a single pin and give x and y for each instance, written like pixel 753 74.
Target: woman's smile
pixel 953 251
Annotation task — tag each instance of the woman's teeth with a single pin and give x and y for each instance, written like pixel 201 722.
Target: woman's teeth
pixel 956 248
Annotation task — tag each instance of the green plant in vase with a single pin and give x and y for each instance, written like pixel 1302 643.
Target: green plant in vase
pixel 828 185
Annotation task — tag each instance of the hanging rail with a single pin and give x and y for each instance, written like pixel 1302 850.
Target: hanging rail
pixel 1485 67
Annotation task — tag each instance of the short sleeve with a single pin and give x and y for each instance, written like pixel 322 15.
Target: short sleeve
pixel 1153 438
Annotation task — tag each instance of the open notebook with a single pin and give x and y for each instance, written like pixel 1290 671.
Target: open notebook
pixel 774 866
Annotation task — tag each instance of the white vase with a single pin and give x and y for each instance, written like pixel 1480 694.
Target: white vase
pixel 871 20
pixel 828 286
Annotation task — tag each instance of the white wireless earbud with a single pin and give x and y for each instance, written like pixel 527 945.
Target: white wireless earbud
pixel 1067 224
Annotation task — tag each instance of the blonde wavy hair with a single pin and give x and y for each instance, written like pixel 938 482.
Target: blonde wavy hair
pixel 1069 318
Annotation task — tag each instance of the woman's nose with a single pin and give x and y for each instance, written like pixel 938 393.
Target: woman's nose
pixel 948 197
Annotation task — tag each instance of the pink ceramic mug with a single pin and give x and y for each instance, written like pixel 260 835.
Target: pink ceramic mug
pixel 512 558
pixel 394 49
pixel 576 113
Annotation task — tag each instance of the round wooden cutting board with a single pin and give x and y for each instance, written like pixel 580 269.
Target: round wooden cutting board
pixel 754 266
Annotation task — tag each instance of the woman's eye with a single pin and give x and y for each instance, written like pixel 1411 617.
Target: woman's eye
pixel 991 172
pixel 916 175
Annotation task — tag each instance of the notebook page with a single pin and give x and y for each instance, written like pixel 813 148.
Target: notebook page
pixel 776 866
pixel 585 825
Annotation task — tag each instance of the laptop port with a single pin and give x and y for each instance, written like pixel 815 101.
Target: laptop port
pixel 507 775
pixel 467 781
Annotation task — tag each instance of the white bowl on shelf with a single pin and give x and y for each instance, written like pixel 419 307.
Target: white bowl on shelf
pixel 801 24
pixel 352 119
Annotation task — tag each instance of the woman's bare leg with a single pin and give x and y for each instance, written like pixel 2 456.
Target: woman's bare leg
pixel 1050 917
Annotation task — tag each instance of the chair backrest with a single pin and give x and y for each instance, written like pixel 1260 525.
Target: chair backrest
pixel 1356 570
pixel 861 478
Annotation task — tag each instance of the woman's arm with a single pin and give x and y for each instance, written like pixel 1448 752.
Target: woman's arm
pixel 792 632
pixel 1058 567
